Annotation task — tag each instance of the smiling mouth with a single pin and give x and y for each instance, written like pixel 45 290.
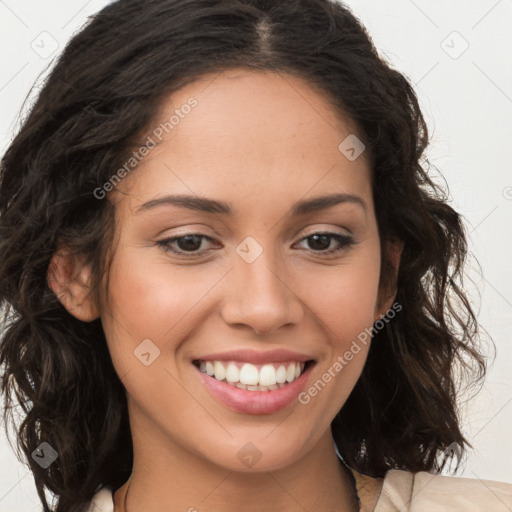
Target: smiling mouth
pixel 254 377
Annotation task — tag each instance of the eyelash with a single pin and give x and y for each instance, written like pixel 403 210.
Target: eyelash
pixel 345 241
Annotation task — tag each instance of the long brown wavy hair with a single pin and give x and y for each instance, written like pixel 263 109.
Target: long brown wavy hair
pixel 102 93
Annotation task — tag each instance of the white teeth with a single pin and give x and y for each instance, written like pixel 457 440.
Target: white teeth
pixel 232 373
pixel 256 388
pixel 281 375
pixel 248 375
pixel 290 373
pixel 220 371
pixel 267 377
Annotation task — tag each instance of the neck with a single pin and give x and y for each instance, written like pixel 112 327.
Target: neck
pixel 161 482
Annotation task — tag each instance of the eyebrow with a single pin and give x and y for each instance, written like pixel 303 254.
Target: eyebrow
pixel 205 204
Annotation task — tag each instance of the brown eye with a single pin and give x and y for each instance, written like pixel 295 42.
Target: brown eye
pixel 321 242
pixel 190 243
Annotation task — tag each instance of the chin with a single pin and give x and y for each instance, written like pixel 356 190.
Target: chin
pixel 256 454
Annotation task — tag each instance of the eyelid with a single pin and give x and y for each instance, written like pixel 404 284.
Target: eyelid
pixel 327 230
pixel 346 241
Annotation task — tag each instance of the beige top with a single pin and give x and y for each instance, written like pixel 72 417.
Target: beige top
pixel 401 491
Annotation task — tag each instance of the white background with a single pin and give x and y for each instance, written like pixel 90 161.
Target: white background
pixel 467 101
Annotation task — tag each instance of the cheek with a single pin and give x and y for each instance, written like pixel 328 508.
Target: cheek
pixel 147 299
pixel 343 298
pixel 344 305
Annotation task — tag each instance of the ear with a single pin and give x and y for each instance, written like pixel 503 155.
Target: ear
pixel 69 276
pixel 387 285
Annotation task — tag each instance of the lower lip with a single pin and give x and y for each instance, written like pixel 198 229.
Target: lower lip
pixel 255 402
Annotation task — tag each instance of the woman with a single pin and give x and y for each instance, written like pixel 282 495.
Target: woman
pixel 185 340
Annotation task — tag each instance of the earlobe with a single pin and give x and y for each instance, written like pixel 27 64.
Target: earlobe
pixel 386 295
pixel 69 277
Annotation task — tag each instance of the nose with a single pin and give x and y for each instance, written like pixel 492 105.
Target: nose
pixel 260 296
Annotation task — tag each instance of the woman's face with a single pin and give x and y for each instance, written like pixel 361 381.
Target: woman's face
pixel 240 171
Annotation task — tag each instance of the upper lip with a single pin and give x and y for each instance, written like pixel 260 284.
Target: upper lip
pixel 256 357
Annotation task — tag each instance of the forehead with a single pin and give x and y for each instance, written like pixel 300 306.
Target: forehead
pixel 249 133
